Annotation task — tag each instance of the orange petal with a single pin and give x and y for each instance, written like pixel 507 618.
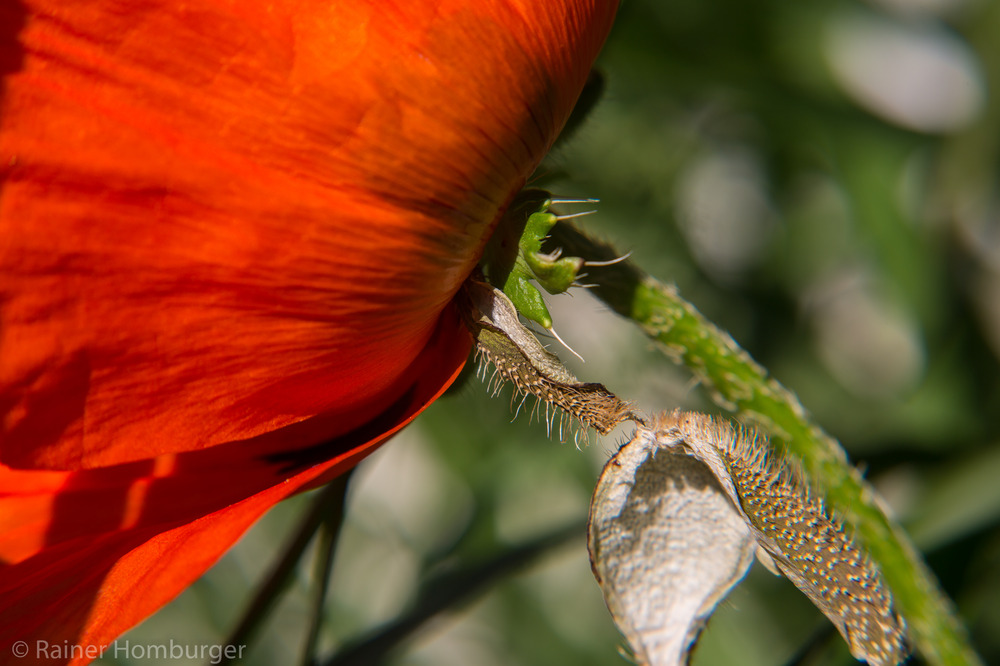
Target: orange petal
pixel 89 553
pixel 222 218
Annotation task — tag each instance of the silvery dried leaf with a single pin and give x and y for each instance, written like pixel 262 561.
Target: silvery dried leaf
pixel 666 547
pixel 665 554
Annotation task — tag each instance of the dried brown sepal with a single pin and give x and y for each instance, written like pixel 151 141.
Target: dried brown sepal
pixel 519 358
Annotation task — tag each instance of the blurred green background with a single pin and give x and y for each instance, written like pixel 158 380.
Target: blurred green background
pixel 818 179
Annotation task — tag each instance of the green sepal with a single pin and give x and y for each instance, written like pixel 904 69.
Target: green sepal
pixel 557 274
pixel 514 257
pixel 526 298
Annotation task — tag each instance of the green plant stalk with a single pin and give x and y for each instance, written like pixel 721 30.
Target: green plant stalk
pixel 738 383
pixel 326 548
pixel 326 509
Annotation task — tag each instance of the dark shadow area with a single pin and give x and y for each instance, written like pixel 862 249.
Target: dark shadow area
pixel 13 16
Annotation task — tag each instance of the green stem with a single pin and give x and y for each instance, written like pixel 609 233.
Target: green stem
pixel 739 384
pixel 326 548
pixel 328 502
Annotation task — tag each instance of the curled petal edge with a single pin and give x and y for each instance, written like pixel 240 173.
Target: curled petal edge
pixel 85 555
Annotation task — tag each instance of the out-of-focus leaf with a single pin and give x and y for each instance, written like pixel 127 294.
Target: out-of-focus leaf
pixel 966 497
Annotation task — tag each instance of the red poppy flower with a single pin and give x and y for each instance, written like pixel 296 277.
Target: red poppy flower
pixel 230 233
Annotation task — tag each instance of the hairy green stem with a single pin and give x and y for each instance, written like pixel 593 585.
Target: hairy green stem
pixel 739 384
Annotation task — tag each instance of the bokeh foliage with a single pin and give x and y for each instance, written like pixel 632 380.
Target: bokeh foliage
pixel 816 185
